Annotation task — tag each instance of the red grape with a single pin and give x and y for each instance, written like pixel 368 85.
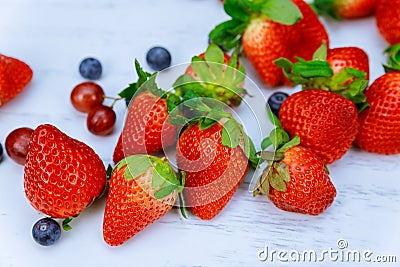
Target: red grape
pixel 17 144
pixel 87 95
pixel 101 120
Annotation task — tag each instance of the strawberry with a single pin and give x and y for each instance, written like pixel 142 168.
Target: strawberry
pixel 295 179
pixel 214 153
pixel 326 122
pixel 348 57
pixel 15 75
pixel 380 123
pixel 62 176
pixel 213 74
pixel 146 129
pixel 324 114
pixel 268 30
pixel 345 9
pixel 388 20
pixel 142 189
pixel 313 32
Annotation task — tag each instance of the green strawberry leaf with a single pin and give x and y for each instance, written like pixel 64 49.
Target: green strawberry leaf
pixel 65 224
pixel 132 88
pixel 271 156
pixel 228 33
pixel 283 171
pixel 321 53
pixel 281 11
pixel 231 133
pixel 264 186
pixel 237 10
pixel 325 7
pixel 172 101
pixel 137 165
pixel 165 191
pixel 311 69
pixel 289 144
pixel 273 119
pixel 214 54
pixel 394 58
pixel 265 143
pixel 276 181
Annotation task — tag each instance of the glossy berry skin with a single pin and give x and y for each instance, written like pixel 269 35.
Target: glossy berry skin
pixel 312 32
pixel 149 135
pixel 327 123
pixel 17 144
pixel 15 76
pixel 86 96
pixel 131 206
pixel 387 16
pixel 348 57
pixel 158 58
pixel 264 41
pixel 46 231
pixel 1 152
pixel 310 189
pixel 275 101
pixel 101 120
pixel 213 171
pixel 62 175
pixel 90 68
pixel 380 123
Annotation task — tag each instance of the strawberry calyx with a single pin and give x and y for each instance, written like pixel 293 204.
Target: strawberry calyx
pixel 325 7
pixel 318 74
pixel 215 79
pixel 276 173
pixel 164 179
pixel 228 34
pixel 206 112
pixel 147 82
pixel 394 58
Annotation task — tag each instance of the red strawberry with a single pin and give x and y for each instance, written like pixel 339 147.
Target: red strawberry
pixel 345 9
pixel 142 189
pixel 348 57
pixel 147 129
pixel 213 74
pixel 326 122
pixel 15 75
pixel 388 20
pixel 313 32
pixel 215 158
pixel 380 123
pixel 62 176
pixel 267 35
pixel 295 179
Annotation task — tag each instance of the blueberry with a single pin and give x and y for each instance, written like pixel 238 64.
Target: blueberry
pixel 46 231
pixel 90 68
pixel 1 152
pixel 275 101
pixel 158 58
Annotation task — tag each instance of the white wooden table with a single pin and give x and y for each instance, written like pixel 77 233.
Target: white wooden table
pixel 54 35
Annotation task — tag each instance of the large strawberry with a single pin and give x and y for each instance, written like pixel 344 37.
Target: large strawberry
pixel 345 9
pixel 214 152
pixel 142 189
pixel 15 75
pixel 324 114
pixel 380 123
pixel 268 30
pixel 62 176
pixel 295 179
pixel 388 20
pixel 147 129
pixel 214 74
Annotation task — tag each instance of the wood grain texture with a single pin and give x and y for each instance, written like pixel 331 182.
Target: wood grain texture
pixel 53 36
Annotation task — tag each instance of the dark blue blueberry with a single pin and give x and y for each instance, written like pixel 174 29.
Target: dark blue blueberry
pixel 1 152
pixel 158 58
pixel 90 68
pixel 46 231
pixel 275 101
